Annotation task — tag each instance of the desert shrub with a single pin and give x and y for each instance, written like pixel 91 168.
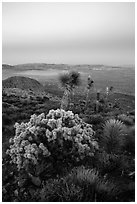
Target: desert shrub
pixel 51 105
pixel 97 106
pixel 9 111
pixel 16 116
pixel 85 185
pixel 113 137
pixel 79 107
pixel 20 116
pixel 82 176
pixel 12 99
pixel 126 119
pixel 94 119
pixel 45 98
pixel 39 111
pixel 112 164
pixel 6 120
pixel 133 118
pixel 60 190
pixel 38 106
pixel 94 186
pixel 132 112
pixel 79 185
pixel 105 187
pixel 59 137
pixel 130 140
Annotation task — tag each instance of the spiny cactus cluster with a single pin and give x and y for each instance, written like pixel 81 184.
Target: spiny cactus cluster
pixel 60 133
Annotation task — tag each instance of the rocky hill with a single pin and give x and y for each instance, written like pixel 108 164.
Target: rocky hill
pixel 24 83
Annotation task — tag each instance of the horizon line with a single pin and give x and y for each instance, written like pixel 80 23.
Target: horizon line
pixel 69 64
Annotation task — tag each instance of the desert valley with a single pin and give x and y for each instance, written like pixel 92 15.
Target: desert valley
pixel 103 111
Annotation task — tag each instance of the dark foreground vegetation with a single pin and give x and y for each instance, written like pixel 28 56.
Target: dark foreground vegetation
pixel 108 174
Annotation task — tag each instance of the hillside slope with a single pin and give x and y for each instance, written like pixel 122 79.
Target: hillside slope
pixel 7 66
pixel 24 83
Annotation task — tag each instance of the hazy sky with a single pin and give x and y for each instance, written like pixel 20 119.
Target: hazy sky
pixel 73 33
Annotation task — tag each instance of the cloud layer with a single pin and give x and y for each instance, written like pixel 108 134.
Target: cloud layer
pixel 73 33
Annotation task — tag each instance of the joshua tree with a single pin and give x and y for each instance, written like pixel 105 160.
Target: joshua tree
pixel 68 81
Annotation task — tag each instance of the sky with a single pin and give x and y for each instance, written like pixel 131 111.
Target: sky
pixel 68 33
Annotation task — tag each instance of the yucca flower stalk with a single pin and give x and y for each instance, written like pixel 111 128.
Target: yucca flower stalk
pixel 89 86
pixel 97 101
pixel 109 91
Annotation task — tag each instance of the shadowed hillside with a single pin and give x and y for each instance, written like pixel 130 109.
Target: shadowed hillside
pixel 7 66
pixel 22 83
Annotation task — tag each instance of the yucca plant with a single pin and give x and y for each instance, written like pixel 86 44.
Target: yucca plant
pixel 95 187
pixel 113 136
pixel 68 81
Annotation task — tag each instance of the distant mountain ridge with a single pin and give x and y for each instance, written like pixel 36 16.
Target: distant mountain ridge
pixel 24 83
pixel 42 65
pixel 7 66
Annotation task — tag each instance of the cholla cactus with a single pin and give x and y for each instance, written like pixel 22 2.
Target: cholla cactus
pixel 113 136
pixel 43 138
